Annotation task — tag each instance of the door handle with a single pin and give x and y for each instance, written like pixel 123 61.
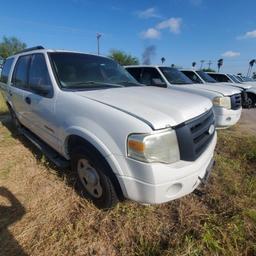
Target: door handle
pixel 28 100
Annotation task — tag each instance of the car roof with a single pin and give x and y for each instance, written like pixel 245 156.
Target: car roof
pixel 50 50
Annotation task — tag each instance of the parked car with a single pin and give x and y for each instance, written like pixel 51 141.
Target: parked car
pixel 121 138
pixel 245 80
pixel 226 100
pixel 199 76
pixel 249 89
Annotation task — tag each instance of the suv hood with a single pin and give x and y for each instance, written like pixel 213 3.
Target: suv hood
pixel 217 88
pixel 242 86
pixel 158 107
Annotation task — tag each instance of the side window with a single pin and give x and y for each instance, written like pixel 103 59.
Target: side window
pixel 6 70
pixel 135 72
pixel 151 76
pixel 192 76
pixel 39 80
pixel 220 78
pixel 20 75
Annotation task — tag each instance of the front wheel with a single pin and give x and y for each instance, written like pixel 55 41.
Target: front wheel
pixel 93 176
pixel 14 119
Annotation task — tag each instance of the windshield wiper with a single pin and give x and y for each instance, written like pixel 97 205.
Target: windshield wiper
pixel 130 83
pixel 91 84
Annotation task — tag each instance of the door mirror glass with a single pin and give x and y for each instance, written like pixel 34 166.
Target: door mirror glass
pixel 43 90
pixel 158 82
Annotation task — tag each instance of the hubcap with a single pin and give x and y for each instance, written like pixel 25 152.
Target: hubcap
pixel 89 178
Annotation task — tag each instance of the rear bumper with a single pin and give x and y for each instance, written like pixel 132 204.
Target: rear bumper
pixel 175 181
pixel 226 117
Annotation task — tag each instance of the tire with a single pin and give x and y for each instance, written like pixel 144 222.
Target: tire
pixel 94 177
pixel 14 119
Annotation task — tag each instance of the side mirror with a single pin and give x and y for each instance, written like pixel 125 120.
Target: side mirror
pixel 43 90
pixel 158 82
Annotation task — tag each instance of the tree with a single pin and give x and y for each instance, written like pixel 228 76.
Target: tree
pixel 208 70
pixel 220 64
pixel 123 58
pixel 10 45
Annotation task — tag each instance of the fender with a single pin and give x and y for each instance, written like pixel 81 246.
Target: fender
pixel 98 144
pixel 252 90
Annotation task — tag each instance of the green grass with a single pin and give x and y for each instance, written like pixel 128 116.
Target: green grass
pixel 3 107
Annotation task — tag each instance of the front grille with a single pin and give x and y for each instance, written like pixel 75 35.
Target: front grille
pixel 194 136
pixel 236 101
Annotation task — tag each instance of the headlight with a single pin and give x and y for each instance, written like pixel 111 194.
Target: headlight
pixel 160 147
pixel 224 102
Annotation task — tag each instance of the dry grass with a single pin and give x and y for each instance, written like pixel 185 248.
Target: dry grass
pixel 3 107
pixel 50 218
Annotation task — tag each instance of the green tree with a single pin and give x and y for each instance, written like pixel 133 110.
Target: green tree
pixel 208 70
pixel 10 45
pixel 123 58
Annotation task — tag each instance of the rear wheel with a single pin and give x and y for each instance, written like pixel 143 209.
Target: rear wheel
pixel 94 177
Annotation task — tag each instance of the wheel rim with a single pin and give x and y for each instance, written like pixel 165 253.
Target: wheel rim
pixel 89 177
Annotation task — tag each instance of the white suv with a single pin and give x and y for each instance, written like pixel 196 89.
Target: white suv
pixel 226 100
pixel 121 138
pixel 247 88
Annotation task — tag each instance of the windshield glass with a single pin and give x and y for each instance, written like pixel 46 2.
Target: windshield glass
pixel 206 77
pixel 81 71
pixel 234 79
pixel 239 79
pixel 174 76
pixel 248 79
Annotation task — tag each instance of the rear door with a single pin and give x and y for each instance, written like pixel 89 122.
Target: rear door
pixel 19 85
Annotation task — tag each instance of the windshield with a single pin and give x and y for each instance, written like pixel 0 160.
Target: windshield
pixel 174 76
pixel 239 79
pixel 234 79
pixel 248 79
pixel 206 77
pixel 81 71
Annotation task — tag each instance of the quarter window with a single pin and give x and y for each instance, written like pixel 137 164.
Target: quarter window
pixel 21 71
pixel 6 70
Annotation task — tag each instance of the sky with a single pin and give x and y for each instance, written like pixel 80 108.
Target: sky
pixel 181 31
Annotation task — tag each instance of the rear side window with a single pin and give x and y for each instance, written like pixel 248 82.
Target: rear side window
pixel 6 70
pixel 20 75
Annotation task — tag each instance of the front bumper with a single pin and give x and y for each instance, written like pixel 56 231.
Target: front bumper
pixel 226 117
pixel 163 183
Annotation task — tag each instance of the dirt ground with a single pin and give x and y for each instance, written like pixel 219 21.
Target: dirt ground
pixel 247 122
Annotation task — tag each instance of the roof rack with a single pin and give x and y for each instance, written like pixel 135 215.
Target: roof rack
pixel 39 47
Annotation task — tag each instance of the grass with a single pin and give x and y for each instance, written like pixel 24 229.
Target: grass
pixel 3 107
pixel 57 221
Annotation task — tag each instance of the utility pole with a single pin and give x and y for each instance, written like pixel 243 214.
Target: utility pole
pixel 202 63
pixel 98 36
